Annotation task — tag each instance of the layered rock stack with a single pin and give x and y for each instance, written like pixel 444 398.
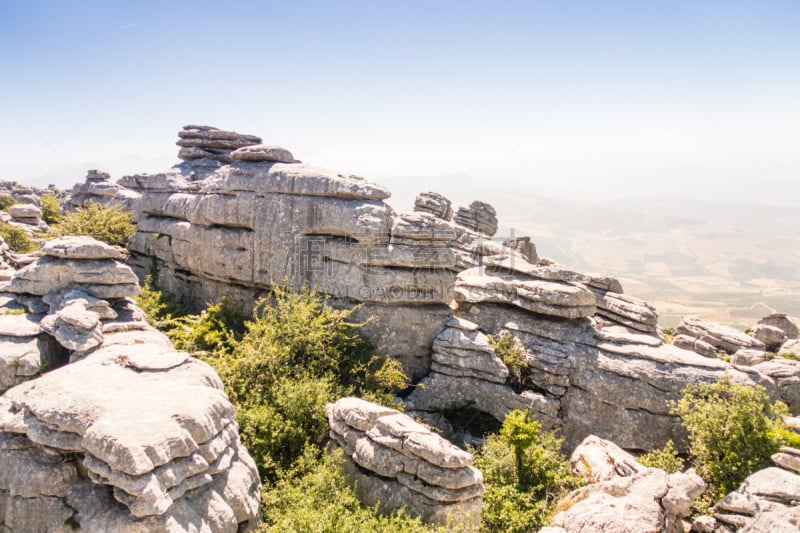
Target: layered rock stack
pixel 766 501
pixel 594 362
pixel 99 188
pixel 206 142
pixel 397 463
pixel 623 495
pixel 96 431
pixel 240 228
pixel 479 217
pixel 435 204
pixel 27 217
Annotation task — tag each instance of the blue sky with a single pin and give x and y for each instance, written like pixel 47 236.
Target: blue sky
pixel 556 96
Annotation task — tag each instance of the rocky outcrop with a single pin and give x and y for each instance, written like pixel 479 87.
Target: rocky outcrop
pixel 95 430
pixel 27 217
pixel 397 463
pixel 587 373
pixel 479 217
pixel 628 499
pixel 99 188
pixel 783 322
pixel 766 501
pixel 211 228
pixel 435 204
pixel 206 142
pixel 524 247
pixel 721 338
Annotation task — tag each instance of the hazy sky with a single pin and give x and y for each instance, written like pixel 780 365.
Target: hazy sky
pixel 586 95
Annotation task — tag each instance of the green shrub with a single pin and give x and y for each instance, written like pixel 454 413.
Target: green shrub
pixel 525 475
pixel 297 354
pixel 216 328
pixel 6 201
pixel 112 225
pixel 669 334
pixel 315 497
pixel 160 309
pixel 16 239
pixel 51 209
pixel 513 356
pixel 733 429
pixel 666 458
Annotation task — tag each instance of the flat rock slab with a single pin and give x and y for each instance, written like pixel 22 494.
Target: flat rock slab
pixel 19 325
pixel 263 152
pixel 78 247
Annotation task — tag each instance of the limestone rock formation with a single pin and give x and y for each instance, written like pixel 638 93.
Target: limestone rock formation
pixel 240 228
pixel 782 322
pixel 525 247
pixel 95 427
pixel 628 497
pixel 99 188
pixel 721 338
pixel 588 373
pixel 27 217
pixel 766 501
pixel 398 463
pixel 206 142
pixel 479 217
pixel 435 204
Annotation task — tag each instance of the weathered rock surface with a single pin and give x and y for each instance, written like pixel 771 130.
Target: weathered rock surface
pixel 238 229
pixel 435 204
pixel 596 459
pixel 783 322
pixel 99 188
pixel 401 463
pixel 95 427
pixel 525 247
pixel 479 216
pixel 772 336
pixel 263 152
pixel 766 501
pixel 629 497
pixel 722 338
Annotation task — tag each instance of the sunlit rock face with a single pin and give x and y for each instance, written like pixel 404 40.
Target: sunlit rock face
pixel 103 425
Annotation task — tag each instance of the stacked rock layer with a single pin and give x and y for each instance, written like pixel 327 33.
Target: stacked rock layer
pixel 98 188
pixel 105 426
pixel 398 463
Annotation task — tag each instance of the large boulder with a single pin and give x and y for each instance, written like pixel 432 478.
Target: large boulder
pixel 397 463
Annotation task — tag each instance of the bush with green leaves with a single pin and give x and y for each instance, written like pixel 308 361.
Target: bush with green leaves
pixel 112 225
pixel 51 209
pixel 6 201
pixel 297 354
pixel 525 475
pixel 16 238
pixel 733 430
pixel 316 497
pixel 666 458
pixel 511 352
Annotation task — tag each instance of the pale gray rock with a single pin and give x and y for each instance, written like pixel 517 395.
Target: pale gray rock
pixel 295 179
pixel 421 229
pixel 101 278
pixel 14 325
pixel 25 211
pixel 597 459
pixel 461 352
pixel 403 464
pixel 98 188
pixel 524 247
pixel 792 346
pixel 191 153
pixel 263 152
pixel 785 373
pixel 555 298
pixel 650 500
pixel 80 247
pixel 720 337
pixel 435 204
pixel 783 322
pixel 479 216
pixel 772 336
pixel 626 310
pixel 701 347
pixel 747 357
